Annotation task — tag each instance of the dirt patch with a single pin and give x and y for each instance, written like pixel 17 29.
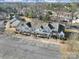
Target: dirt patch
pixel 70 50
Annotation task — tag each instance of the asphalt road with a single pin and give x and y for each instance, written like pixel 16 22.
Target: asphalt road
pixel 26 48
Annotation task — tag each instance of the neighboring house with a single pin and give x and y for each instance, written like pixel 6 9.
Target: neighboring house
pixel 21 10
pixel 12 24
pixel 15 23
